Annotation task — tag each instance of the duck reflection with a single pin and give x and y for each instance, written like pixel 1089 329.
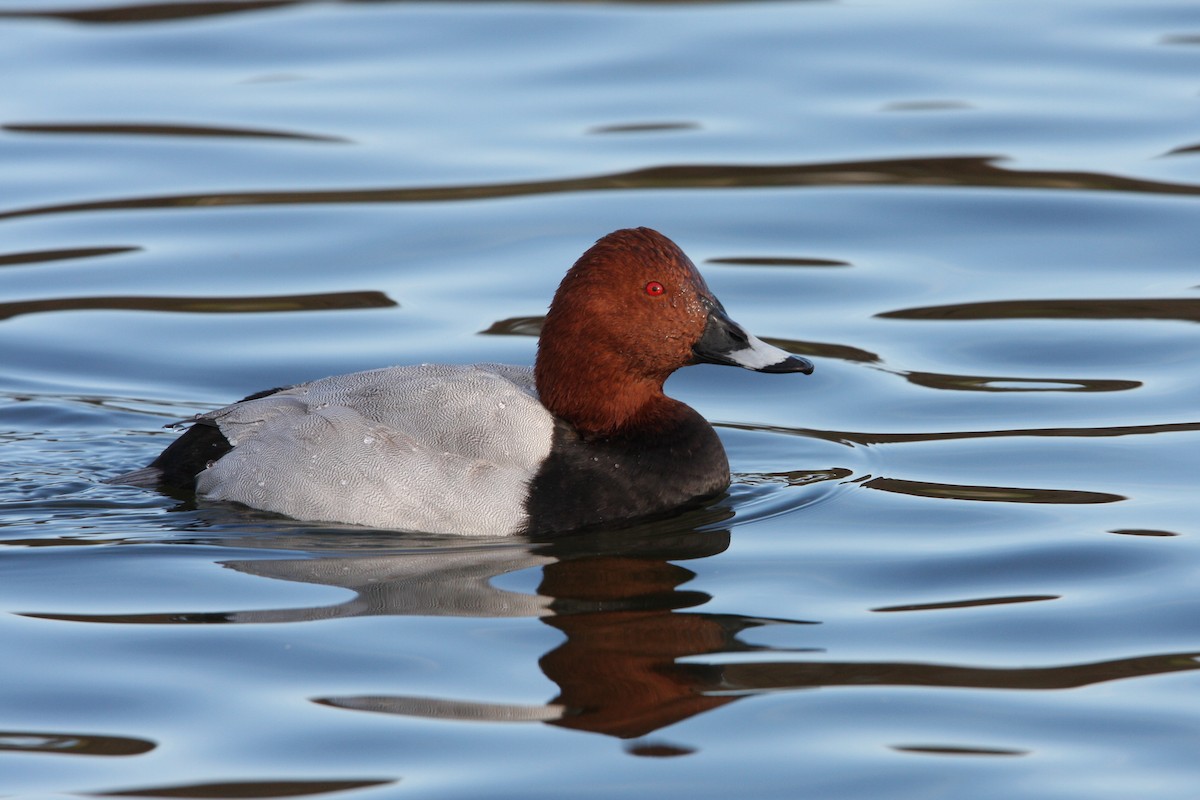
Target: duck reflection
pixel 637 655
pixel 616 597
pixel 619 671
pixel 618 601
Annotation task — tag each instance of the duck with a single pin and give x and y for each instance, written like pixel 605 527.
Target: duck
pixel 584 438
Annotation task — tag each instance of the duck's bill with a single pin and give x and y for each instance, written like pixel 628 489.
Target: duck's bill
pixel 726 342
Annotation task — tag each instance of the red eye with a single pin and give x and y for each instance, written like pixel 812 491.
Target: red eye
pixel 655 289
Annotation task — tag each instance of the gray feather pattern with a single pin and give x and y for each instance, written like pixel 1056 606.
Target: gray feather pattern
pixel 435 448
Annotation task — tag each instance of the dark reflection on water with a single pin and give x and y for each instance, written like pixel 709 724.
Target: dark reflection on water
pixel 964 171
pixel 38 256
pixel 147 129
pixel 1172 308
pixel 751 678
pixel 994 383
pixel 777 261
pixel 842 352
pixel 1183 38
pixel 638 655
pixel 928 105
pixel 948 750
pixel 991 494
pixel 645 127
pixel 972 603
pixel 72 744
pixel 331 301
pixel 163 12
pixel 863 438
pixel 150 12
pixel 657 749
pixel 516 326
pixel 1183 150
pixel 236 789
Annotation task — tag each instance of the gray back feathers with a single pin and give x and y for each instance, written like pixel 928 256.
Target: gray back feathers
pixel 435 448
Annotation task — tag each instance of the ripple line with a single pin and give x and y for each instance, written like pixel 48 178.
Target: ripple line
pixel 991 494
pixel 150 129
pixel 867 439
pixel 1167 308
pixel 332 301
pixel 957 750
pixel 73 744
pixel 960 171
pixel 39 256
pixel 265 788
pixel 150 12
pixel 973 603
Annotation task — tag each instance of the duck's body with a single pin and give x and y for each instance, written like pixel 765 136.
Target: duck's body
pixel 587 437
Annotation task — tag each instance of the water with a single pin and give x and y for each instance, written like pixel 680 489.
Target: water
pixel 957 561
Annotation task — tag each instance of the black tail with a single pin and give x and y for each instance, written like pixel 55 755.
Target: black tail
pixel 177 466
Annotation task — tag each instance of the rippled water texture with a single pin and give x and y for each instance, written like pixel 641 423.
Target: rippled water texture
pixel 959 561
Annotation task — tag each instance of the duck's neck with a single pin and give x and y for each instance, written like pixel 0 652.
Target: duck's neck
pixel 601 399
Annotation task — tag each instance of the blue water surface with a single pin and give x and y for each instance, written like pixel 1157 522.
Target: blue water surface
pixel 959 560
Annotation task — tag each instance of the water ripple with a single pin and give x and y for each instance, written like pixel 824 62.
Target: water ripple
pixel 961 171
pixel 39 256
pixel 991 494
pixel 1184 309
pixel 149 129
pixel 330 301
pixel 864 438
pixel 274 787
pixel 73 744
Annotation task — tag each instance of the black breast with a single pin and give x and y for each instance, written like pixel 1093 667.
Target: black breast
pixel 585 483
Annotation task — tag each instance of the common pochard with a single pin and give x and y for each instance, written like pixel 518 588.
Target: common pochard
pixel 585 437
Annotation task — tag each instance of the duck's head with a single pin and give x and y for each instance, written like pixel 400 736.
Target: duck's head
pixel 632 310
